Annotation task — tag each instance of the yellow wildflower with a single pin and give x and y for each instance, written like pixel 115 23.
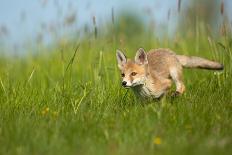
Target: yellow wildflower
pixel 157 140
pixel 55 113
pixel 188 127
pixel 45 111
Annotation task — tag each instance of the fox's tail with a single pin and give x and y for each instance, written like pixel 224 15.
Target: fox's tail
pixel 197 62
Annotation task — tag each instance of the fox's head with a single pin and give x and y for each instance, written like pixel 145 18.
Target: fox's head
pixel 133 72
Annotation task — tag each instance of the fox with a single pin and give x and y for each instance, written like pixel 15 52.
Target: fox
pixel 152 73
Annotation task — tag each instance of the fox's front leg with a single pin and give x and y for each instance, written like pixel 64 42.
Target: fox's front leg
pixel 176 75
pixel 180 88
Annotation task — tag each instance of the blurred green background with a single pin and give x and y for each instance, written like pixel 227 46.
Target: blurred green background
pixel 29 24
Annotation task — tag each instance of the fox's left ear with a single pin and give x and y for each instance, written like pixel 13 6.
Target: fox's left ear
pixel 121 59
pixel 141 57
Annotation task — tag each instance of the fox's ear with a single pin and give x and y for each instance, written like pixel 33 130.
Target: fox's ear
pixel 141 57
pixel 121 59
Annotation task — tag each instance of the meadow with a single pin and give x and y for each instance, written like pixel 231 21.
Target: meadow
pixel 68 99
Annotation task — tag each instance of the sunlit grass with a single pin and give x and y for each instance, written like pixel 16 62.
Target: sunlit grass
pixel 68 100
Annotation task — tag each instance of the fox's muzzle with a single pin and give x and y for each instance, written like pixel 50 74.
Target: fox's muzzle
pixel 124 83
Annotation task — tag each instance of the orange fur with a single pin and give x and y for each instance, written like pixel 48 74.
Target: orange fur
pixel 151 74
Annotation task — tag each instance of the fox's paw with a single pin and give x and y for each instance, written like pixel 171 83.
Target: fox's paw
pixel 175 94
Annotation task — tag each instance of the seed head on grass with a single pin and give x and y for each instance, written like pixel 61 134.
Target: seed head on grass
pixel 222 8
pixel 223 30
pixel 70 19
pixel 95 27
pixel 179 5
pixel 4 31
pixel 112 15
pixel 169 13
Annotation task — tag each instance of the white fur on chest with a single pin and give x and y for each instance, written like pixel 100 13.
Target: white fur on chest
pixel 142 90
pixel 145 91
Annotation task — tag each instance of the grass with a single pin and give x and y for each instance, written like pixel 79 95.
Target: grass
pixel 58 101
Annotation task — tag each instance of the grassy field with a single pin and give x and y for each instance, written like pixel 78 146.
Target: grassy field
pixel 60 100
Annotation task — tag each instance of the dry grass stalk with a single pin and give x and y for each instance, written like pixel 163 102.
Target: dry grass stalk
pixel 179 5
pixel 222 8
pixel 95 26
pixel 169 13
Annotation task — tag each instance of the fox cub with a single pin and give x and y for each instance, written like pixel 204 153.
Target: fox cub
pixel 151 74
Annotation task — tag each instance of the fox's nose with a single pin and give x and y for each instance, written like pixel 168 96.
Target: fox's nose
pixel 124 83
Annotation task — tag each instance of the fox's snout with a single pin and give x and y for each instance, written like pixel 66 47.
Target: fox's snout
pixel 127 83
pixel 132 82
pixel 124 83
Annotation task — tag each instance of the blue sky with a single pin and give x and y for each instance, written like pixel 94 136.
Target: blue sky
pixel 25 19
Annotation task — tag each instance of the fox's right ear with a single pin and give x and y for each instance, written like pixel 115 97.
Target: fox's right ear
pixel 121 59
pixel 141 57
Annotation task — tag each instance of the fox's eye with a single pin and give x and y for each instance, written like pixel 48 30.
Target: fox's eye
pixel 133 73
pixel 123 75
